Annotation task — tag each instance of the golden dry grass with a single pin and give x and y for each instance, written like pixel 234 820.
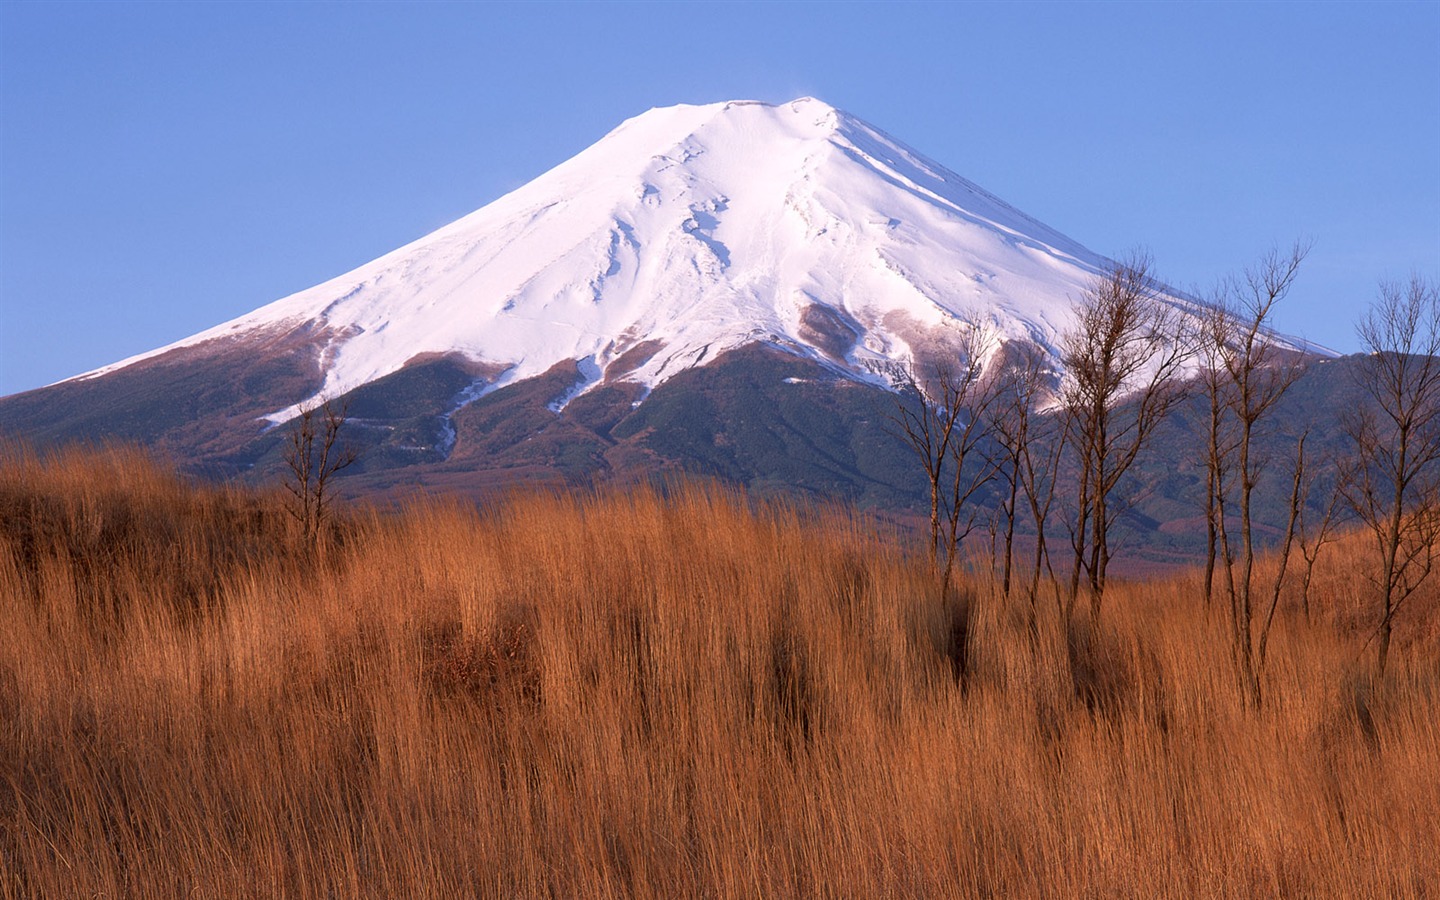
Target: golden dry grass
pixel 626 694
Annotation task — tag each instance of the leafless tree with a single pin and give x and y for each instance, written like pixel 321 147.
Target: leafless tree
pixel 928 426
pixel 1394 484
pixel 1314 530
pixel 1011 428
pixel 1040 478
pixel 1252 372
pixel 1217 330
pixel 943 416
pixel 1019 429
pixel 971 469
pixel 313 456
pixel 1122 360
pixel 1029 442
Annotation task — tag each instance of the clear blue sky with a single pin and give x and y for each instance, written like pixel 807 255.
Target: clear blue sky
pixel 167 166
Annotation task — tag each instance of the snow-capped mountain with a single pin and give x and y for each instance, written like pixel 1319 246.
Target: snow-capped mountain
pixel 685 232
pixel 726 290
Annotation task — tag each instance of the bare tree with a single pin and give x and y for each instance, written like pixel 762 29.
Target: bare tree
pixel 943 416
pixel 1251 371
pixel 1313 532
pixel 1217 331
pixel 927 425
pixel 1017 421
pixel 314 455
pixel 1029 444
pixel 1394 484
pixel 971 469
pixel 1122 360
pixel 1040 478
pixel 1011 427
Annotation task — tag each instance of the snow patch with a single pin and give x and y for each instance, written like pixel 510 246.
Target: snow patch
pixel 590 374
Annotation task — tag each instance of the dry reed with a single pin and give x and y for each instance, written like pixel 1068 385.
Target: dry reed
pixel 630 694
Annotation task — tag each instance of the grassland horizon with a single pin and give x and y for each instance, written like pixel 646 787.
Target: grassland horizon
pixel 656 694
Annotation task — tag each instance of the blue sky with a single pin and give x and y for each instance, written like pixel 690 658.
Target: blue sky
pixel 167 166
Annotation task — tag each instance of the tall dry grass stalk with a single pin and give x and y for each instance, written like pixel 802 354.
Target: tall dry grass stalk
pixel 626 694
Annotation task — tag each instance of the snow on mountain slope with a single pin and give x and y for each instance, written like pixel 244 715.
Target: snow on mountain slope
pixel 691 230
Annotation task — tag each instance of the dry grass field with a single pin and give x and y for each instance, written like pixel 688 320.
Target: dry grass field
pixel 636 695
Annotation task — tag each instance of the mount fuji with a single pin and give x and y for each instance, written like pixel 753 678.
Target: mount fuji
pixel 728 288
